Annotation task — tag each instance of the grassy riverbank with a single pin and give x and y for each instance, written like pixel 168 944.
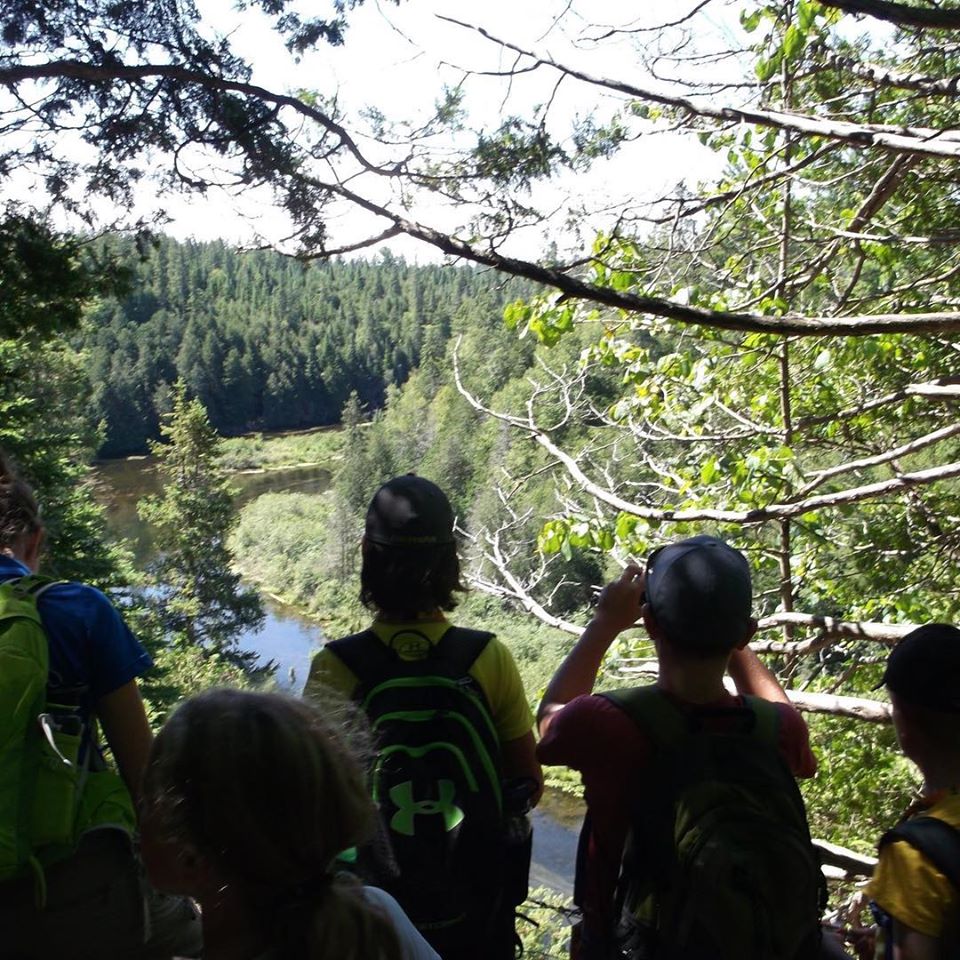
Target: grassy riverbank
pixel 256 451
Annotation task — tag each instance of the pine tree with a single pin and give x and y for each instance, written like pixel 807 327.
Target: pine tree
pixel 199 598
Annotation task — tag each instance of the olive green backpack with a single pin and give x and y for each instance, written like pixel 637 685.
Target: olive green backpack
pixel 719 862
pixel 48 799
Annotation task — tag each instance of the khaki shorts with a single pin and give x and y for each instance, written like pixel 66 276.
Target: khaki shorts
pixel 97 908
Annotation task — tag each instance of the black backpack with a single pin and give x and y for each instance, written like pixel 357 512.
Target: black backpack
pixel 436 779
pixel 940 844
pixel 718 864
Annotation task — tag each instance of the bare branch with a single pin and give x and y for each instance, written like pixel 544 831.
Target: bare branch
pixel 857 708
pixel 830 631
pixel 886 457
pixel 870 491
pixel 884 77
pixel 852 864
pixel 921 141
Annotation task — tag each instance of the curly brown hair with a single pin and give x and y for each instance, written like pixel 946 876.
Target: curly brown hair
pixel 266 788
pixel 19 510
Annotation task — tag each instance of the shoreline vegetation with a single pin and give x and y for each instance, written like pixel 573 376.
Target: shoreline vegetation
pixel 289 450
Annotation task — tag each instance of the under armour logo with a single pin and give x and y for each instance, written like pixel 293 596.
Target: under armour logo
pixel 408 808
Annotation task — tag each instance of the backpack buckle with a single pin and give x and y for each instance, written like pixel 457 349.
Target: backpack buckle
pixel 48 726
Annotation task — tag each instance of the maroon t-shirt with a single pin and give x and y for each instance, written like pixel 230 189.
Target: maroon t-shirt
pixel 593 735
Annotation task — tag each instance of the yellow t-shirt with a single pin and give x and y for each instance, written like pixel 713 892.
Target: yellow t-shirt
pixel 494 670
pixel 909 888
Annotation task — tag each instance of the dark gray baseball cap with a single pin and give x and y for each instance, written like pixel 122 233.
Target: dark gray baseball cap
pixel 924 668
pixel 700 587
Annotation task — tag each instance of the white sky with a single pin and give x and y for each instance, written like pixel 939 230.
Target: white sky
pixel 396 59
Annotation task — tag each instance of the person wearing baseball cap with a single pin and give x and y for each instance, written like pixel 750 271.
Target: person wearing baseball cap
pixel 409 580
pixel 694 597
pixel 914 889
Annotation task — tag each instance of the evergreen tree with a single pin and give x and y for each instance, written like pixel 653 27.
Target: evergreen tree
pixel 197 595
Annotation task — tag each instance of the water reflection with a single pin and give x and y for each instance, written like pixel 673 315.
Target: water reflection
pixel 286 637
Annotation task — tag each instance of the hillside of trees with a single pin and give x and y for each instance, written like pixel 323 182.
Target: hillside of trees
pixel 266 342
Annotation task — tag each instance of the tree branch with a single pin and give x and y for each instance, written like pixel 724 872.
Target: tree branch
pixel 912 447
pixel 773 511
pixel 10 76
pixel 901 14
pixel 830 631
pixel 922 141
pixel 574 288
pixel 857 708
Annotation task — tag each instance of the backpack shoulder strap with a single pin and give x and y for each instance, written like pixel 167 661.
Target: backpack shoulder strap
pixel 657 717
pixel 459 648
pixel 935 839
pixel 31 585
pixel 664 723
pixel 365 655
pixel 767 719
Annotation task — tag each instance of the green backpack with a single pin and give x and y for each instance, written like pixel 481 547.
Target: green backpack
pixel 719 864
pixel 47 797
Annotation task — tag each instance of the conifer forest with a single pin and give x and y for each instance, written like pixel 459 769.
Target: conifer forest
pixel 611 281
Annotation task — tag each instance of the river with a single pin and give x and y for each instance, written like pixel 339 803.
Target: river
pixel 286 637
pixel 290 639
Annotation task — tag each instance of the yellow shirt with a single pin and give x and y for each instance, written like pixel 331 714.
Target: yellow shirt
pixel 494 670
pixel 908 887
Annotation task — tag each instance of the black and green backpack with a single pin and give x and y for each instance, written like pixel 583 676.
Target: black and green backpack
pixel 436 779
pixel 718 864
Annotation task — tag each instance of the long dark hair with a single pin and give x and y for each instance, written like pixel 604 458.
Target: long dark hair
pixel 406 581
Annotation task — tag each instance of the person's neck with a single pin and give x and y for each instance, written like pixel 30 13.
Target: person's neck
pixel 940 776
pixel 229 932
pixel 385 616
pixel 696 681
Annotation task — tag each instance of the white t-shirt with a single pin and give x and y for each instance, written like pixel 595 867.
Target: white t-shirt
pixel 412 944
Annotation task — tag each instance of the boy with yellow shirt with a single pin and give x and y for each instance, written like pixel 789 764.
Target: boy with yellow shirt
pixel 914 888
pixel 411 672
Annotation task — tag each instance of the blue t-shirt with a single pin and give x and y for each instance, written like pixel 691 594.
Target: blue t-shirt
pixel 90 645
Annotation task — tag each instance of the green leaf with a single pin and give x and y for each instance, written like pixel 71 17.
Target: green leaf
pixel 625 526
pixel 794 42
pixel 765 69
pixel 750 21
pixel 806 14
pixel 709 470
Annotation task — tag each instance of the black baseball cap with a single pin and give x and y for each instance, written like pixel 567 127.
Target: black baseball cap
pixel 924 668
pixel 410 511
pixel 700 587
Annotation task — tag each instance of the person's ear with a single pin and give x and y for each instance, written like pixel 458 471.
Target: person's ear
pixel 30 548
pixel 751 631
pixel 649 621
pixel 196 871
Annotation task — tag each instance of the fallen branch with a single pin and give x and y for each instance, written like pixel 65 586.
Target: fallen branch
pixel 857 708
pixel 849 863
